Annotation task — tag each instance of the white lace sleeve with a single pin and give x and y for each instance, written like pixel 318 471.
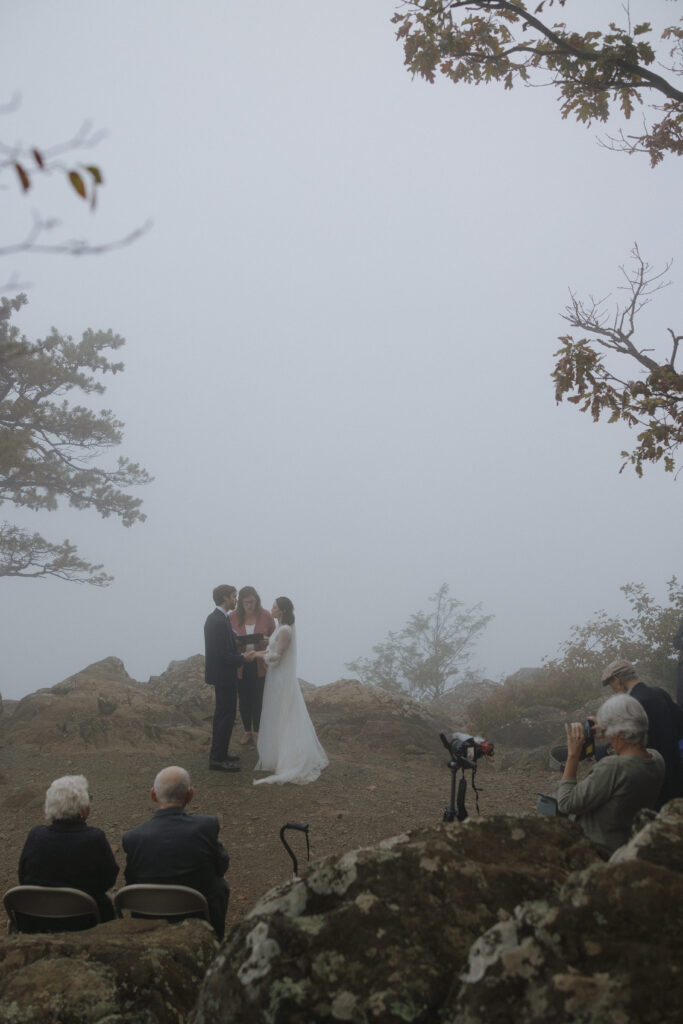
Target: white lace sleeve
pixel 278 645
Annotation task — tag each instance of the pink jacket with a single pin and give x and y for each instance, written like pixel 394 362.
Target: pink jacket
pixel 264 624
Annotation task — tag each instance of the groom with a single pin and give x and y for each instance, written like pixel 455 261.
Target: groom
pixel 220 671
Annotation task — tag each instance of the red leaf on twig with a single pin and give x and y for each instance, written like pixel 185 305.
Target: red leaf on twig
pixel 23 177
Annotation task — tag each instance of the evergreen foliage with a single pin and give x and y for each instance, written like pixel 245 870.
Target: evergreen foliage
pixel 49 448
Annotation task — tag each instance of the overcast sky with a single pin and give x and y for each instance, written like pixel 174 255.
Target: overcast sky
pixel 340 332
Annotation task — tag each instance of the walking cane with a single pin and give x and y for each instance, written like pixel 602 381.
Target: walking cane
pixel 299 828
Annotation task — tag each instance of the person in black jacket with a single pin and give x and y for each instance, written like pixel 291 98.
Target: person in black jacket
pixel 665 720
pixel 177 848
pixel 66 851
pixel 678 645
pixel 222 660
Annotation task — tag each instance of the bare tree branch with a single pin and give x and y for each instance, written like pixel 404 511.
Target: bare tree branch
pixel 25 165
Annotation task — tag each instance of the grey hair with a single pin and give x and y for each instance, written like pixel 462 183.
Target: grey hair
pixel 67 798
pixel 172 784
pixel 624 714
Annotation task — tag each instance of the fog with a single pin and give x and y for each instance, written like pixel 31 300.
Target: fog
pixel 340 330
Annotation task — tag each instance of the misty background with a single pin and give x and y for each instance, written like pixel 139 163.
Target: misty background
pixel 340 333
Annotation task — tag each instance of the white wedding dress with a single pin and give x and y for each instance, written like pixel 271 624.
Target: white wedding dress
pixel 287 743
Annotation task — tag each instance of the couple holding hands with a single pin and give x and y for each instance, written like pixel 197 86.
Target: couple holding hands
pixel 247 653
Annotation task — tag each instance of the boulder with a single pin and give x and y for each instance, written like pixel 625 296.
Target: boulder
pixel 453 707
pixel 606 948
pixel 525 676
pixel 358 719
pixel 182 684
pixel 122 972
pixel 540 725
pixel 380 934
pixel 101 707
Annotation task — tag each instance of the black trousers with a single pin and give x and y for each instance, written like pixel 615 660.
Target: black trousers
pixel 223 720
pixel 218 907
pixel 250 689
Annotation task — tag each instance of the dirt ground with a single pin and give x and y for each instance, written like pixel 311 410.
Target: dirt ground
pixel 354 803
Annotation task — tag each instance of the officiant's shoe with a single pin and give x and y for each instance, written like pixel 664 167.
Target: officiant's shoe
pixel 223 766
pixel 231 758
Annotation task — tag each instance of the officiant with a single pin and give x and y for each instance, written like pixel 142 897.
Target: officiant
pixel 250 619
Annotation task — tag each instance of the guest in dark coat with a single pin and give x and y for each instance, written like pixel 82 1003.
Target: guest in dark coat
pixel 678 644
pixel 66 851
pixel 177 848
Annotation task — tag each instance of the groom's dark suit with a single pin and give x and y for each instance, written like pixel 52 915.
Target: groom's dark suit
pixel 222 662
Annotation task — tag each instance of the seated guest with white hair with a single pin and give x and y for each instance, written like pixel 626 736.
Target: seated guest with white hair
pixel 176 848
pixel 606 801
pixel 66 851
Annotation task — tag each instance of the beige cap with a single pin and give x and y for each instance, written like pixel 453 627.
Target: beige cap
pixel 621 668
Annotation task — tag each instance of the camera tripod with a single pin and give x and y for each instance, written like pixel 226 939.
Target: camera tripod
pixel 456 810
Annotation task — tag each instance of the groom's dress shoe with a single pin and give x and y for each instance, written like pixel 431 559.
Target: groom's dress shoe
pixel 231 758
pixel 223 766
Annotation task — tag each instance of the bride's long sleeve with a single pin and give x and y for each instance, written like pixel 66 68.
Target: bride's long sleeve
pixel 281 644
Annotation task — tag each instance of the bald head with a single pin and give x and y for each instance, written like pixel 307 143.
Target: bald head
pixel 172 787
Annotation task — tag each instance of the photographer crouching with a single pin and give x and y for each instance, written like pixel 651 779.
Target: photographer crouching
pixel 606 801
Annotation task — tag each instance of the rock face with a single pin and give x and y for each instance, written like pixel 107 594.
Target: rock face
pixel 454 706
pixel 122 972
pixel 399 932
pixel 350 716
pixel 541 725
pixel 182 684
pixel 380 934
pixel 606 949
pixel 523 676
pixel 100 707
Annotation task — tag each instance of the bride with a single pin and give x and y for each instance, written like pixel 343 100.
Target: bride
pixel 287 743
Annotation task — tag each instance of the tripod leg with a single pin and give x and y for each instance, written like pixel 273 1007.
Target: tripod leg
pixel 462 787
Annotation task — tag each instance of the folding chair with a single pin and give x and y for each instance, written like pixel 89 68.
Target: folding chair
pixel 167 901
pixel 42 908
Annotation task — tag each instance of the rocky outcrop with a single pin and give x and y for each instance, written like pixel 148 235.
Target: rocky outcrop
pixel 100 707
pixel 399 932
pixel 380 934
pixel 524 676
pixel 182 684
pixel 453 707
pixel 351 717
pixel 540 725
pixel 123 972
pixel 607 948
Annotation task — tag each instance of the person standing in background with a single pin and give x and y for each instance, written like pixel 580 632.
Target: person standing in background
pixel 665 722
pixel 287 745
pixel 248 619
pixel 678 645
pixel 222 660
